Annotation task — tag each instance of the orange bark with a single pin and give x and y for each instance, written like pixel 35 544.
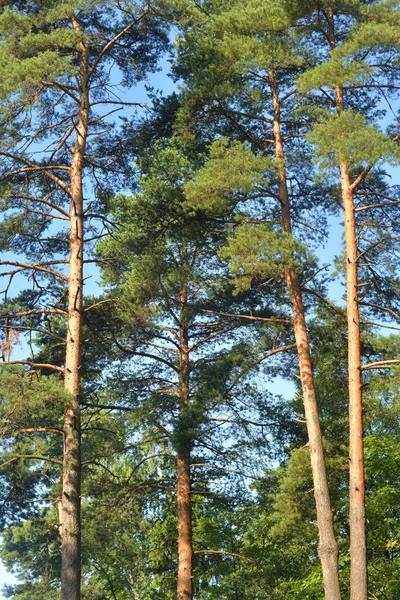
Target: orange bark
pixel 358 544
pixel 71 494
pixel 185 547
pixel 327 548
pixel 185 551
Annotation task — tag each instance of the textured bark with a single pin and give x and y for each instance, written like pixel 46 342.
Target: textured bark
pixel 185 552
pixel 71 494
pixel 327 548
pixel 358 545
pixel 185 549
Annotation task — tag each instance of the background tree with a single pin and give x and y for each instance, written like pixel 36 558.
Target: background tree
pixel 257 101
pixel 62 55
pixel 194 323
pixel 176 314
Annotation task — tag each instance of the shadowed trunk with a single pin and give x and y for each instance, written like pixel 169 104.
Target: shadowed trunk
pixel 71 494
pixel 185 550
pixel 327 548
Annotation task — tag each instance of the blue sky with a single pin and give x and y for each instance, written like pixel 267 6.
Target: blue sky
pixel 326 255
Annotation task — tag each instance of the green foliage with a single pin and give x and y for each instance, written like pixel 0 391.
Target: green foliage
pixel 29 397
pixel 382 469
pixel 376 29
pixel 347 136
pixel 231 171
pixel 32 550
pixel 335 72
pixel 30 50
pixel 31 410
pixel 193 249
pixel 257 253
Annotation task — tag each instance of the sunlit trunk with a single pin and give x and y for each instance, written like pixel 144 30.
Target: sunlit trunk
pixel 358 545
pixel 71 492
pixel 327 548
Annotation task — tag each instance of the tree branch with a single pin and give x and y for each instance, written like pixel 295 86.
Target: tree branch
pixel 33 167
pixel 32 457
pixel 224 552
pixel 33 364
pixel 35 267
pixel 111 43
pixel 250 317
pixel 41 430
pixel 382 364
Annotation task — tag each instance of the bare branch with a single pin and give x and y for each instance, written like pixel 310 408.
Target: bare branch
pixel 122 102
pixel 361 177
pixel 226 553
pixel 383 308
pixel 41 430
pixel 34 365
pixel 274 351
pixel 377 205
pixel 34 168
pixel 36 267
pixel 42 201
pixel 249 317
pixel 65 88
pixel 32 457
pixel 382 364
pixel 38 311
pixel 139 464
pixel 335 309
pixel 111 42
pixel 145 355
pixel 106 407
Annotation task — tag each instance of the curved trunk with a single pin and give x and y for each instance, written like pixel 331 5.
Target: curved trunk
pixel 183 492
pixel 327 548
pixel 71 492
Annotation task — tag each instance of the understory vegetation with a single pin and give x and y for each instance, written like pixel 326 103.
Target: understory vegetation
pixel 200 374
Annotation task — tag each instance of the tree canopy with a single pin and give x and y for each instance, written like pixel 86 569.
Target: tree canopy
pixel 188 411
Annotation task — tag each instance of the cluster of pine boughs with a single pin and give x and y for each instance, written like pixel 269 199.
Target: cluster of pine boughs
pixel 146 450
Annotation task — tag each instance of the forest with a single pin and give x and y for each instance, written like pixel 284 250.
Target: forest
pixel 200 299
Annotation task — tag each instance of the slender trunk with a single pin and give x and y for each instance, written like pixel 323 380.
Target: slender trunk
pixel 358 544
pixel 327 548
pixel 71 495
pixel 185 550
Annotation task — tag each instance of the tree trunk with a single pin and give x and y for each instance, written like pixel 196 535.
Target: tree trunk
pixel 185 549
pixel 358 545
pixel 185 552
pixel 327 548
pixel 71 494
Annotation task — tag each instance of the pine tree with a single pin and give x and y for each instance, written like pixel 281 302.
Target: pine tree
pixel 169 282
pixel 61 54
pixel 341 132
pixel 257 57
